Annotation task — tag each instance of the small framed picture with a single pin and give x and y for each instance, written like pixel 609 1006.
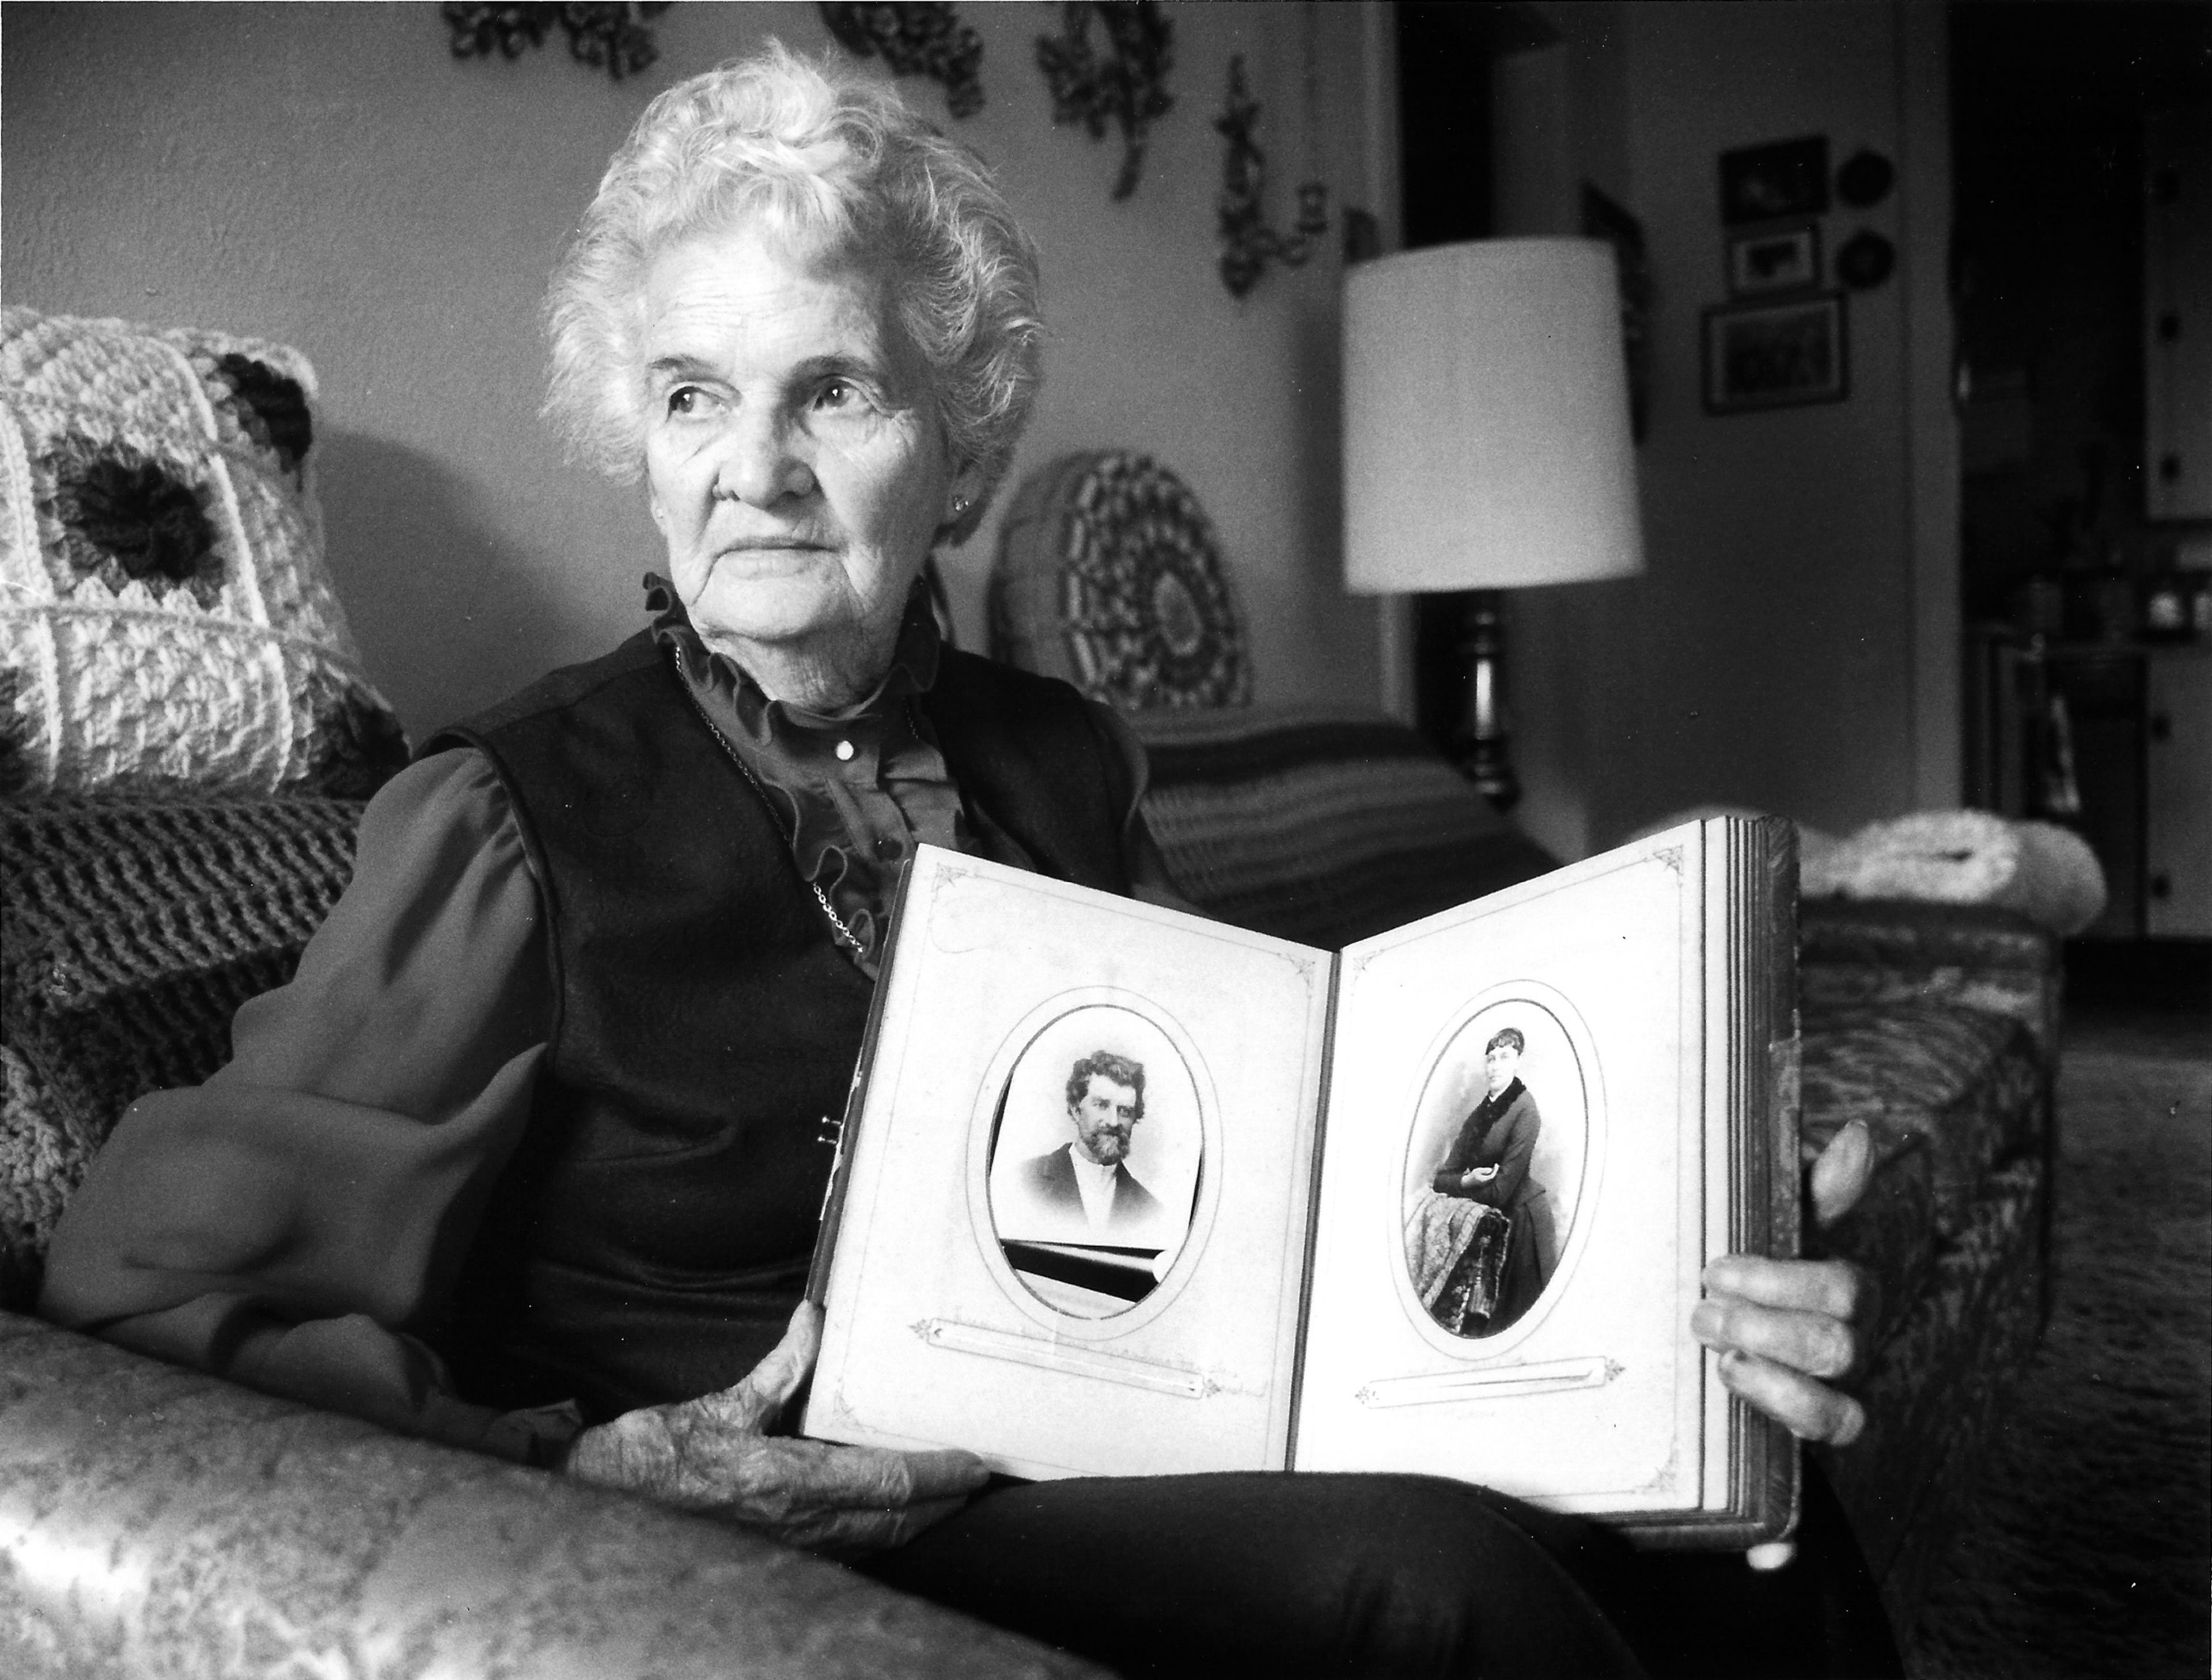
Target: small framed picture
pixel 1773 355
pixel 1766 183
pixel 1787 259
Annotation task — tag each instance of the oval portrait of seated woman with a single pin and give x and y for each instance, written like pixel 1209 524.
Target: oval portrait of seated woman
pixel 1095 1160
pixel 1494 1168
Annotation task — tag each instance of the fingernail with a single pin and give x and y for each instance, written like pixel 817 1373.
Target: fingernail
pixel 1705 1320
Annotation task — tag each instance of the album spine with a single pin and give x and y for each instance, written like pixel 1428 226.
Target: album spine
pixel 1298 1374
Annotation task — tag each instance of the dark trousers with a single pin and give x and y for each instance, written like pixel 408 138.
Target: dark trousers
pixel 1384 1575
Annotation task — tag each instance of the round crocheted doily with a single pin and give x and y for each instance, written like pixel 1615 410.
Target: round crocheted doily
pixel 1108 575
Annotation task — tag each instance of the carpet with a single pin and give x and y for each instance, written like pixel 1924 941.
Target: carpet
pixel 2084 1550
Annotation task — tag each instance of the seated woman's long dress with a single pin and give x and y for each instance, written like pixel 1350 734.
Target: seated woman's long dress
pixel 1501 1132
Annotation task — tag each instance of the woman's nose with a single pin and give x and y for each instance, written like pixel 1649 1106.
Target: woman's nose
pixel 760 464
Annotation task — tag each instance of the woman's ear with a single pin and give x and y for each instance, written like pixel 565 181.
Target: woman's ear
pixel 962 499
pixel 967 487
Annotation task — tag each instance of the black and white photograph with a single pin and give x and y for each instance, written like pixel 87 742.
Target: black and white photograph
pixel 1492 1193
pixel 1095 1162
pixel 1786 259
pixel 995 838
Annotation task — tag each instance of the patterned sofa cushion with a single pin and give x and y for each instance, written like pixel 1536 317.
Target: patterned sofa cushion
pixel 1321 827
pixel 166 616
pixel 129 933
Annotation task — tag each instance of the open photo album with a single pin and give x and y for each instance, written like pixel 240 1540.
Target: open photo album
pixel 1122 1190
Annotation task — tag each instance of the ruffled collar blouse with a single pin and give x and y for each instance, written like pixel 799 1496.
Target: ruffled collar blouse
pixel 853 790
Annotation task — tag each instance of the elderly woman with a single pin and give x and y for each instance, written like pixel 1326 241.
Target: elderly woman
pixel 525 1160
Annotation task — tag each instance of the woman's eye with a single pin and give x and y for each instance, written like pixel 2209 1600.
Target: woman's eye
pixel 838 394
pixel 686 400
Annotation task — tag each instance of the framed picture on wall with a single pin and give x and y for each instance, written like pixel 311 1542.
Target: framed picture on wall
pixel 1604 218
pixel 1786 259
pixel 1763 183
pixel 1773 355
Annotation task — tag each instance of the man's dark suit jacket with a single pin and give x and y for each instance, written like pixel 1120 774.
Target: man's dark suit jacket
pixel 1051 1177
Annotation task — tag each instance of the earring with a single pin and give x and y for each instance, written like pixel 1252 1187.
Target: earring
pixel 959 506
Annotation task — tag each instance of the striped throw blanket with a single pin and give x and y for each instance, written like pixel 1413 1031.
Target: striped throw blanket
pixel 1455 1249
pixel 1321 827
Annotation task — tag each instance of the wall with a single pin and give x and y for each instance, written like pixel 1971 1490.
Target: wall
pixel 1793 643
pixel 332 178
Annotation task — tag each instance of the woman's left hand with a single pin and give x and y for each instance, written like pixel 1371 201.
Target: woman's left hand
pixel 1787 1328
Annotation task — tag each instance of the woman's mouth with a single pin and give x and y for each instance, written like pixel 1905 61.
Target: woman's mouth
pixel 746 545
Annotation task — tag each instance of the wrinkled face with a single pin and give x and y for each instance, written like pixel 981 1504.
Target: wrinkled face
pixel 1501 1062
pixel 1104 1121
pixel 797 468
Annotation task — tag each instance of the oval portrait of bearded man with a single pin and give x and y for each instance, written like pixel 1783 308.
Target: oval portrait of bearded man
pixel 1095 1161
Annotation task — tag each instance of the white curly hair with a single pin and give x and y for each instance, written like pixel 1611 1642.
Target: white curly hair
pixel 819 153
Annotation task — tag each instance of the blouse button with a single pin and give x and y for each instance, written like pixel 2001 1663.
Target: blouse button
pixel 844 751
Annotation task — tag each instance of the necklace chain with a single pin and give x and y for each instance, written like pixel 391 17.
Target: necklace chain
pixel 744 769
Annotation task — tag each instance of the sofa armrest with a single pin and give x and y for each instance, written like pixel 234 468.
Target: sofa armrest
pixel 1909 933
pixel 1889 952
pixel 156 1520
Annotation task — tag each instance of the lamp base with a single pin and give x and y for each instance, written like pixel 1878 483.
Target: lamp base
pixel 1479 741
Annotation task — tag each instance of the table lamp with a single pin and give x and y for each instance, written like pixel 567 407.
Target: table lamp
pixel 1486 444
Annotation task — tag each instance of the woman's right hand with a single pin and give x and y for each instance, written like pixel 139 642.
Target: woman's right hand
pixel 714 1455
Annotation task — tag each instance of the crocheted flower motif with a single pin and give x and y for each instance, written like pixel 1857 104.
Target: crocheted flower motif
pixel 14 736
pixel 127 518
pixel 1147 611
pixel 272 408
pixel 359 746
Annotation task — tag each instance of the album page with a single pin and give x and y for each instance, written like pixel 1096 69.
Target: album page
pixel 1075 1184
pixel 1546 1112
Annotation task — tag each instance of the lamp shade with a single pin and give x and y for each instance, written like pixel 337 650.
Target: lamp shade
pixel 1485 419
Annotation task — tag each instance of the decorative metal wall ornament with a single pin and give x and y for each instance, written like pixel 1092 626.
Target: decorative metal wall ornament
pixel 1248 243
pixel 610 36
pixel 915 40
pixel 1129 89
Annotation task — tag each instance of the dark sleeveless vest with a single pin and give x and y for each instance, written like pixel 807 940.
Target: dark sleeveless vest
pixel 649 1239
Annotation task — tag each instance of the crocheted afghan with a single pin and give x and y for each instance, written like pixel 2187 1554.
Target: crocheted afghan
pixel 129 933
pixel 165 612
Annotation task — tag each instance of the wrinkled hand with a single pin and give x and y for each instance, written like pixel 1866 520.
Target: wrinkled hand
pixel 714 1455
pixel 1786 1329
